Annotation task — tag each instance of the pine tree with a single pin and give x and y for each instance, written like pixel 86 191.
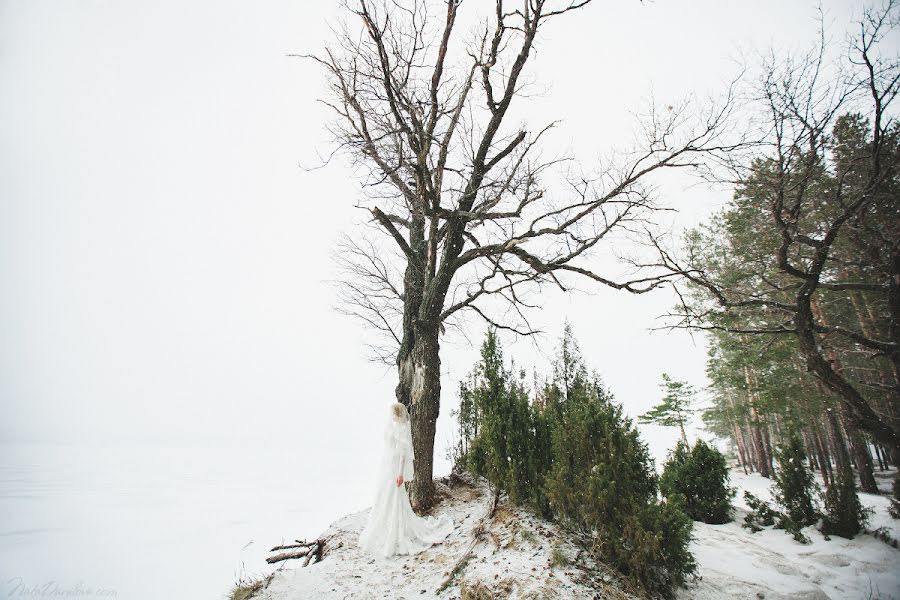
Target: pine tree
pixel 794 483
pixel 698 479
pixel 502 447
pixel 603 483
pixel 675 408
pixel 845 516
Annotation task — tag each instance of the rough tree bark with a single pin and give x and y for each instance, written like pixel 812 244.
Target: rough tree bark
pixel 419 388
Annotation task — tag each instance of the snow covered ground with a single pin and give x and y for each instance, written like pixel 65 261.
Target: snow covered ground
pixel 514 560
pixel 736 564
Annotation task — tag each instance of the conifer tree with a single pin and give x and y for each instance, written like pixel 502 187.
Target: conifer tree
pixel 572 456
pixel 698 478
pixel 502 448
pixel 675 408
pixel 794 483
pixel 845 515
pixel 603 483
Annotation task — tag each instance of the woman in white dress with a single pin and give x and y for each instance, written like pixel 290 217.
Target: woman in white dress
pixel 393 527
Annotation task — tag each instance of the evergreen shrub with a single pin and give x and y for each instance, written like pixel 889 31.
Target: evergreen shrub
pixel 844 514
pixel 700 476
pixel 794 483
pixel 571 455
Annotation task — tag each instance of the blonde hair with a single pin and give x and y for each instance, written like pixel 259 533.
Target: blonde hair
pixel 399 412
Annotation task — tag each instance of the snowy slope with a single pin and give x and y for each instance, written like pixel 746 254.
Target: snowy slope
pixel 737 564
pixel 513 559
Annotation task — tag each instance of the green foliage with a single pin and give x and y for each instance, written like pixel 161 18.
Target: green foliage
pixel 573 456
pixel 845 516
pixel 502 425
pixel 603 484
pixel 742 252
pixel 763 515
pixel 700 476
pixel 675 408
pixel 600 464
pixel 794 483
pixel 654 547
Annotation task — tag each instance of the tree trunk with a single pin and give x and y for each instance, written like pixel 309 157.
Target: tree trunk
pixel 759 445
pixel 810 448
pixel 855 408
pixel 839 446
pixel 419 389
pixel 742 452
pixel 824 458
pixel 859 411
pixel 894 329
pixel 750 447
pixel 859 451
pixel 767 441
pixel 762 460
pixel 881 464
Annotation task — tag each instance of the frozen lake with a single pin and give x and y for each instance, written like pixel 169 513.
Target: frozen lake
pixel 144 521
pixel 148 522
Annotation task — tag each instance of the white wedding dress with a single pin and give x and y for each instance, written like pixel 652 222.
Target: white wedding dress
pixel 393 527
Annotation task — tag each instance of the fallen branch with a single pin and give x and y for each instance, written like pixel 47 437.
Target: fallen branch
pixel 310 552
pixel 477 533
pixel 299 544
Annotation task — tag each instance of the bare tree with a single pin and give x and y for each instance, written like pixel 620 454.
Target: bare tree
pixel 454 190
pixel 822 194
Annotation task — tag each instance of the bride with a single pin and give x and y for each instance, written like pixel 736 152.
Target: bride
pixel 393 527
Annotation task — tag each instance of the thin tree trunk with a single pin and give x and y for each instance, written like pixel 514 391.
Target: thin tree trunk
pixel 881 465
pixel 750 447
pixel 742 452
pixel 839 445
pixel 810 450
pixel 767 441
pixel 762 459
pixel 861 458
pixel 743 455
pixel 824 458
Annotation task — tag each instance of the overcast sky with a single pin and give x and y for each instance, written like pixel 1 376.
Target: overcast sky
pixel 164 260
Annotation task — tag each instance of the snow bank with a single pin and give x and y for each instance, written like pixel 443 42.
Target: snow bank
pixel 736 564
pixel 514 559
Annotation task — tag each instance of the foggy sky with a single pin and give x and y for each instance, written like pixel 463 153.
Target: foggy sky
pixel 164 260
